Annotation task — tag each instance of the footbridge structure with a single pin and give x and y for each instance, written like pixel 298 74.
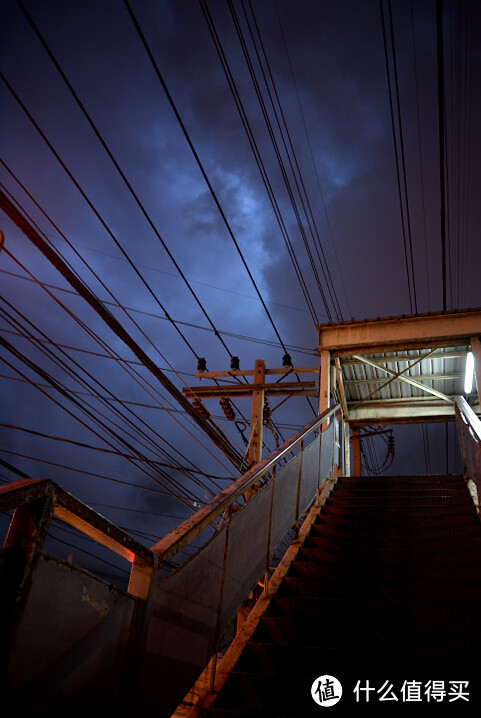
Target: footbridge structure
pixel 379 580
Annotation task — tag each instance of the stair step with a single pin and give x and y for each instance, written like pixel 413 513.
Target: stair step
pixel 445 510
pixel 412 531
pixel 347 610
pixel 416 555
pixel 413 479
pixel 399 486
pixel 395 543
pixel 360 501
pixel 369 570
pixel 387 586
pixel 398 520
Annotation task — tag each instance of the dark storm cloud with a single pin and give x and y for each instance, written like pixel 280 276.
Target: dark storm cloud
pixel 336 51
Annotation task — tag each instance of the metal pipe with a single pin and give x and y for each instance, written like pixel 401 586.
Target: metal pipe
pixel 469 415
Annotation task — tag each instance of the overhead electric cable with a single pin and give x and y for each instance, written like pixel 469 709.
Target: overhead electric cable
pixel 83 445
pixel 117 166
pixel 441 122
pixel 280 160
pixel 116 302
pixel 199 163
pixel 420 154
pixel 260 164
pixel 234 335
pixel 105 401
pixel 403 158
pixel 220 440
pixel 396 154
pixel 132 371
pixel 293 163
pixel 257 156
pixel 62 391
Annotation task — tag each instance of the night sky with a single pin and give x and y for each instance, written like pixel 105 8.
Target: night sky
pixel 231 166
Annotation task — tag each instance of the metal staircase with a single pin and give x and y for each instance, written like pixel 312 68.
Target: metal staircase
pixel 386 588
pixel 380 587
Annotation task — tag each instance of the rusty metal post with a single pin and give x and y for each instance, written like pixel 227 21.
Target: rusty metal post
pixel 462 440
pixel 325 384
pixel 140 580
pixel 268 552
pixel 26 536
pixel 257 416
pixel 296 526
pixel 356 451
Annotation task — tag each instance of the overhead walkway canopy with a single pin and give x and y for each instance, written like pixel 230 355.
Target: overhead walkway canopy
pixel 400 369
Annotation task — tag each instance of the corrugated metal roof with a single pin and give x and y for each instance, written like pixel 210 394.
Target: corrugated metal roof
pixel 441 369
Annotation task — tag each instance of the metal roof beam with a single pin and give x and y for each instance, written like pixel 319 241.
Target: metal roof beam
pixel 392 359
pixel 419 377
pixel 445 328
pixel 403 410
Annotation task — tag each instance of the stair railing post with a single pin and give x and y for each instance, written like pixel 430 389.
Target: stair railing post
pixel 269 530
pixel 296 526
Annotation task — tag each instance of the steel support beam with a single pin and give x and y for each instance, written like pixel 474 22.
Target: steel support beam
pixel 356 451
pixel 413 331
pixel 325 384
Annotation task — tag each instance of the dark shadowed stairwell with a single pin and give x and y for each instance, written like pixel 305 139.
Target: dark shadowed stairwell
pixel 385 595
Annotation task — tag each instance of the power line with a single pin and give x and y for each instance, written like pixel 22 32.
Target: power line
pixel 55 384
pixel 117 166
pixel 214 433
pixel 116 302
pixel 441 123
pixel 234 335
pixel 84 445
pixel 257 156
pixel 290 152
pixel 199 163
pixel 131 372
pixel 106 227
pixel 291 70
pixel 407 258
pixel 421 168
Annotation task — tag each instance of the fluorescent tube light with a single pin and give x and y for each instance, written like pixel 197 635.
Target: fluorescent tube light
pixel 469 374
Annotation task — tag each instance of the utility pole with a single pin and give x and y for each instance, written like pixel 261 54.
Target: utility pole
pixel 257 414
pixel 259 389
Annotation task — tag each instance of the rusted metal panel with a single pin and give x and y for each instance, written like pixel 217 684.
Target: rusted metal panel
pixel 183 624
pixel 72 637
pixel 247 555
pixel 328 454
pixel 285 499
pixel 234 651
pixel 310 474
pixel 182 627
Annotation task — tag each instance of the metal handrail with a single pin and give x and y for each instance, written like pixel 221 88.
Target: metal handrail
pixel 468 413
pixel 174 541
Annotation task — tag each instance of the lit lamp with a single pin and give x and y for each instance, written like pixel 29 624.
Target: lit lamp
pixel 469 373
